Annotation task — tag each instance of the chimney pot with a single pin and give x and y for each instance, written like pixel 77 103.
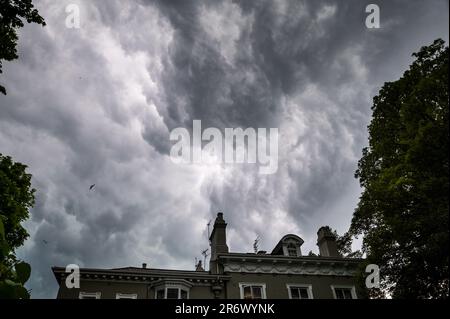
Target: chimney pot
pixel 199 266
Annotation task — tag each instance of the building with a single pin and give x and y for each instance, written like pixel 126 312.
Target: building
pixel 284 273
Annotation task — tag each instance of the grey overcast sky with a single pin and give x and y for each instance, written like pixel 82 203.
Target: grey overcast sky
pixel 96 105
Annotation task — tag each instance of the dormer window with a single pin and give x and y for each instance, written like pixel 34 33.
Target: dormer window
pixel 289 246
pixel 292 250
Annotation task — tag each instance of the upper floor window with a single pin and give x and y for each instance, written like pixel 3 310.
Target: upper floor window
pixel 126 296
pixel 344 292
pixel 89 295
pixel 252 291
pixel 171 288
pixel 171 293
pixel 300 291
pixel 160 294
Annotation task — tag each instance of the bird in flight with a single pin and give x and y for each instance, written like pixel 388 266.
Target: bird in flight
pixel 92 186
pixel 44 241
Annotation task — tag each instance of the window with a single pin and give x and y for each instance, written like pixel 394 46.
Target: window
pixel 292 250
pixel 126 296
pixel 89 295
pixel 252 291
pixel 160 294
pixel 344 292
pixel 296 291
pixel 171 288
pixel 171 293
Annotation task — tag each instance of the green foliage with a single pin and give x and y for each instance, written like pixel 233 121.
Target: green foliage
pixel 403 211
pixel 11 14
pixel 23 271
pixel 16 198
pixel 344 244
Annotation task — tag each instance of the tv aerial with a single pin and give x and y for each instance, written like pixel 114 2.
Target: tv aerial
pixel 205 255
pixel 207 225
pixel 255 244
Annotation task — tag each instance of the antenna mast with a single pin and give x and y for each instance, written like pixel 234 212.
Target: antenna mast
pixel 255 244
pixel 205 255
pixel 207 225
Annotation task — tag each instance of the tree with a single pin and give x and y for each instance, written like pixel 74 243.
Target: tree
pixel 344 244
pixel 16 198
pixel 11 14
pixel 403 211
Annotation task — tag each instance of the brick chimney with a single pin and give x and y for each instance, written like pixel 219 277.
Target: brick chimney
pixel 327 242
pixel 218 242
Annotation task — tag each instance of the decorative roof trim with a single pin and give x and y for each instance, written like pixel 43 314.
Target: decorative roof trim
pixel 139 276
pixel 289 259
pixel 171 282
pixel 270 264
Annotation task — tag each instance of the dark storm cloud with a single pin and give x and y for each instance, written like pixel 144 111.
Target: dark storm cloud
pixel 201 84
pixel 283 51
pixel 96 105
pixel 290 48
pixel 287 47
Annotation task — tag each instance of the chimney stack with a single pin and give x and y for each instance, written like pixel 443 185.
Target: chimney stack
pixel 218 242
pixel 144 265
pixel 327 242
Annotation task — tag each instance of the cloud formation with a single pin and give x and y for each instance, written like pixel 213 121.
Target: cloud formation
pixel 96 105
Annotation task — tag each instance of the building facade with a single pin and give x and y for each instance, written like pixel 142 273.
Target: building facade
pixel 283 273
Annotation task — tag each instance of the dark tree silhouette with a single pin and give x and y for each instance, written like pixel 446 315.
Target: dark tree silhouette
pixel 403 212
pixel 12 14
pixel 16 198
